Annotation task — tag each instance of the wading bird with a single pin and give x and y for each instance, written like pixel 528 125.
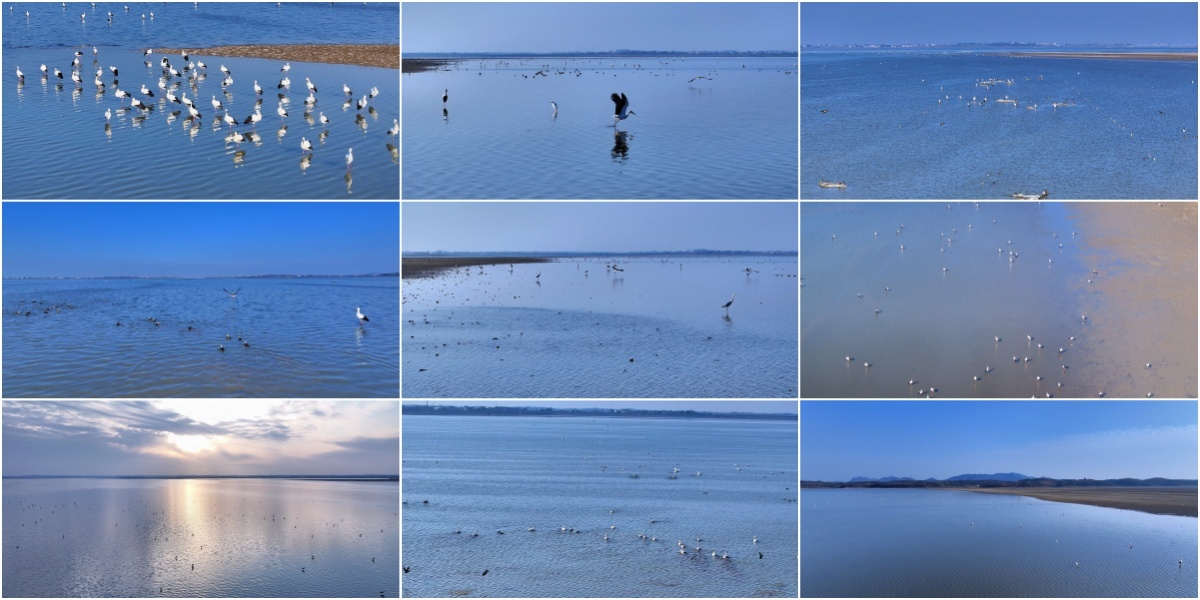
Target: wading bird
pixel 361 317
pixel 622 111
pixel 727 304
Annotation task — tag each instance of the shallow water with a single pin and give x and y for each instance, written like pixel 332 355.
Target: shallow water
pixel 935 543
pixel 305 340
pixel 654 330
pixel 490 474
pixel 732 135
pixel 245 538
pixel 939 327
pixel 162 153
pixel 1130 131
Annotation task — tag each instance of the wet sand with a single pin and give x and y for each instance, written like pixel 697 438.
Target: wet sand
pixel 1141 304
pixel 1179 56
pixel 429 267
pixel 365 55
pixel 1157 500
pixel 420 65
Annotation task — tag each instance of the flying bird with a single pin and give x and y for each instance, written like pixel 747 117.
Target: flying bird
pixel 232 294
pixel 622 111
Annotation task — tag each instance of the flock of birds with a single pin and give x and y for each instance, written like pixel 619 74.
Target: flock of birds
pixel 194 73
pixel 1035 349
pixel 159 530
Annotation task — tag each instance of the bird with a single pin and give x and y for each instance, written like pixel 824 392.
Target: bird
pixel 232 294
pixel 122 94
pixel 728 304
pixel 193 112
pixel 285 68
pixel 225 71
pixel 485 572
pixel 407 569
pixel 361 103
pixel 305 145
pixel 282 112
pixel 361 317
pixel 43 68
pixel 285 82
pixel 349 158
pixel 374 92
pixel 395 128
pixel 20 75
pixel 229 120
pixel 221 347
pixel 445 96
pixel 323 119
pixel 554 105
pixel 58 73
pixel 622 110
pixel 216 104
pixel 254 118
pixel 312 88
pixel 346 90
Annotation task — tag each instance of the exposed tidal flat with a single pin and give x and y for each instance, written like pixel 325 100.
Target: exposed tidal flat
pixel 598 507
pixel 927 543
pixel 1157 500
pixel 576 327
pixel 293 337
pixel 162 140
pixel 702 127
pixel 999 300
pixel 985 125
pixel 200 538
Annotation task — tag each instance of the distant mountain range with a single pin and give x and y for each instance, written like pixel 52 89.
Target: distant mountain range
pixel 964 477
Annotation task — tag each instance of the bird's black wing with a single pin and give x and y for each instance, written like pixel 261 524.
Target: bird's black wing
pixel 619 101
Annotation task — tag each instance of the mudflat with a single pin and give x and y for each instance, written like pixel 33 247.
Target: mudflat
pixel 1179 501
pixel 366 55
pixel 430 266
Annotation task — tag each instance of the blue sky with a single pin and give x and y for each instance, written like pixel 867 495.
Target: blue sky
pixel 1138 23
pixel 752 406
pixel 597 26
pixel 201 437
pixel 1066 440
pixel 199 239
pixel 598 226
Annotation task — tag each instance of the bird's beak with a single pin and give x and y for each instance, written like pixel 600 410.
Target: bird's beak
pixel 632 113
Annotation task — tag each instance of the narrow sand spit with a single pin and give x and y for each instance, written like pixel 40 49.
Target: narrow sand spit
pixel 428 267
pixel 1158 500
pixel 1141 302
pixel 1182 56
pixel 365 55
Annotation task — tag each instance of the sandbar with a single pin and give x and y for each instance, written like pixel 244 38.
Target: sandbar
pixel 366 55
pixel 1179 56
pixel 1179 501
pixel 431 266
pixel 420 65
pixel 1141 301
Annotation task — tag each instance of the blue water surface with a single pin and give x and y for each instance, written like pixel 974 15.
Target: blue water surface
pixel 913 125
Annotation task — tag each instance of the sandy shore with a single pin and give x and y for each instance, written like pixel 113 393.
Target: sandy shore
pixel 1157 500
pixel 1181 56
pixel 365 55
pixel 1141 303
pixel 419 65
pixel 428 267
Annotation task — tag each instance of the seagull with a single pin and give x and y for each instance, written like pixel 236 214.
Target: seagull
pixel 731 297
pixel 361 317
pixel 622 111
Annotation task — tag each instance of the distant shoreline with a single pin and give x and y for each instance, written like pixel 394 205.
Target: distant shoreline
pixel 286 477
pixel 1172 56
pixel 1157 500
pixel 384 56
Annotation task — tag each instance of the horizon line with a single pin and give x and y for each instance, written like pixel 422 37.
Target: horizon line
pixel 372 476
pixel 261 276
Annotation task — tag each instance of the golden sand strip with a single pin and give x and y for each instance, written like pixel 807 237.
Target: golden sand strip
pixel 1181 56
pixel 1157 500
pixel 428 267
pixel 366 55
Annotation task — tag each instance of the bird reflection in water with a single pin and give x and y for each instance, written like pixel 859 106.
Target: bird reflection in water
pixel 620 150
pixel 395 152
pixel 349 181
pixel 305 162
pixel 446 116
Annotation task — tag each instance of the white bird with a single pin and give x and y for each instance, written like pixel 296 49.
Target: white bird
pixel 305 145
pixel 20 75
pixel 312 88
pixel 146 91
pixel 137 103
pixel 286 67
pixel 75 77
pixel 257 88
pixel 122 94
pixel 374 92
pixel 361 317
pixel 108 115
pixel 349 158
pixel 728 304
pixel 323 119
pixel 217 103
pixel 554 105
pixel 192 111
pixel 346 89
pixel 229 120
pixel 281 111
pixel 186 102
pixel 58 73
pixel 225 71
pixel 395 128
pixel 43 70
pixel 254 118
pixel 285 82
pixel 172 98
pixel 362 103
pixel 148 52
pixel 622 111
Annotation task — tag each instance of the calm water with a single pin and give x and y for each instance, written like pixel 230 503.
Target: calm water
pixel 161 153
pixel 490 474
pixel 304 338
pixel 654 330
pixel 921 543
pixel 246 538
pixel 951 316
pixel 1129 133
pixel 732 135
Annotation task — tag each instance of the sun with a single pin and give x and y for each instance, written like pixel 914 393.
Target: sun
pixel 192 444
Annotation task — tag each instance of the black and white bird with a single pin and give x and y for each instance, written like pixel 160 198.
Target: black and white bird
pixel 312 88
pixel 731 297
pixel 257 88
pixel 305 145
pixel 20 75
pixel 232 294
pixel 216 104
pixel 622 111
pixel 361 317
pixel 349 158
pixel 445 96
pixel 57 73
pixel 286 67
pixel 323 119
pixel 282 112
pixel 254 118
pixel 284 83
pixel 362 103
pixel 146 91
pixel 346 89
